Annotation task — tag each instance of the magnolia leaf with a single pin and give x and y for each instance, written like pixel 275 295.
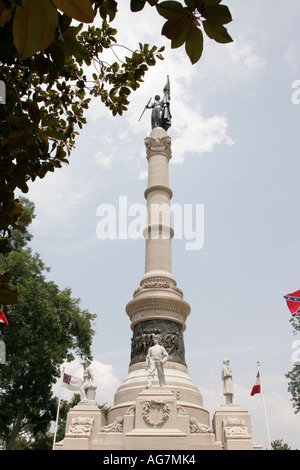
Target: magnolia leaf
pixel 180 40
pixel 171 29
pixel 5 277
pixel 137 5
pixel 80 10
pixel 171 10
pixel 194 43
pixel 110 8
pixel 5 245
pixel 34 26
pixel 50 132
pixel 207 3
pixel 217 14
pixel 8 295
pixel 192 4
pixel 34 112
pixel 58 56
pixel 217 32
pixel 5 12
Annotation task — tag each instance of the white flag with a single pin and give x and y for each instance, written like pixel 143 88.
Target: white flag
pixel 71 382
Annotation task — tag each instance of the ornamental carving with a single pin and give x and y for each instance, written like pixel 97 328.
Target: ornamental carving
pixel 172 340
pixel 116 426
pixel 81 425
pixel 156 412
pixel 196 427
pixel 235 428
pixel 158 146
pixel 158 285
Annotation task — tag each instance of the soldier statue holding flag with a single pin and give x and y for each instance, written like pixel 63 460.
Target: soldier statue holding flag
pixel 161 115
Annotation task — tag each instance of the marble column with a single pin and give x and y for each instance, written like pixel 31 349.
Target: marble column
pixel 157 306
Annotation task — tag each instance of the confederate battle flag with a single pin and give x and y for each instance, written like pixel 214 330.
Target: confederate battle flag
pixel 293 303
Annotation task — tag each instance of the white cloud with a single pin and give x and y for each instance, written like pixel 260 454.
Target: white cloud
pixel 57 197
pixel 104 160
pixel 241 53
pixel 198 134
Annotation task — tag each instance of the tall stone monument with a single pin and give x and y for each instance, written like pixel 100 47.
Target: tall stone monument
pixel 158 406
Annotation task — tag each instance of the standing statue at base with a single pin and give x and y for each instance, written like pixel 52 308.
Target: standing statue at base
pixel 155 360
pixel 161 114
pixel 88 380
pixel 227 382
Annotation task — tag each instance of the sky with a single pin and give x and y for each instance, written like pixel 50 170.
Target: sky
pixel 235 147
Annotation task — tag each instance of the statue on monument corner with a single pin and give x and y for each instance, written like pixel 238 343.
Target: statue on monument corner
pixel 155 360
pixel 88 388
pixel 161 114
pixel 227 382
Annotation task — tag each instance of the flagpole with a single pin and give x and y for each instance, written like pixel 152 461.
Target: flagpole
pixel 264 404
pixel 58 406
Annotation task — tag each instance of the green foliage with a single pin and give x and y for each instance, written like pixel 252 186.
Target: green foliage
pixel 279 445
pixel 46 327
pixel 294 374
pixel 183 24
pixel 42 63
pixel 47 93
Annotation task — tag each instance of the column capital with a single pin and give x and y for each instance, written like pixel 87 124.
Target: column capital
pixel 160 145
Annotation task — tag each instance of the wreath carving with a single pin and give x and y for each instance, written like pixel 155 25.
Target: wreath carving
pixel 160 406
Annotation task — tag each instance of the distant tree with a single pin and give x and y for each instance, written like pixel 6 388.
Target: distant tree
pixel 43 440
pixel 46 327
pixel 278 445
pixel 294 374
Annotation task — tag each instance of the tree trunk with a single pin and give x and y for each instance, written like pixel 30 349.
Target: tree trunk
pixel 17 427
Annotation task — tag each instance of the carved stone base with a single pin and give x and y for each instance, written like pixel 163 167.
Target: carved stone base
pixel 156 421
pixel 84 422
pixel 232 427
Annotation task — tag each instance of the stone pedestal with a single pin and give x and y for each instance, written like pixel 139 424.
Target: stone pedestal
pixel 84 422
pixel 155 422
pixel 232 427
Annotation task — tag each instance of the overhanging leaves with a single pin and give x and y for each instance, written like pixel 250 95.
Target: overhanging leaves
pixel 80 10
pixel 34 26
pixel 5 12
pixel 137 5
pixel 217 14
pixel 171 10
pixel 194 44
pixel 217 32
pixel 183 24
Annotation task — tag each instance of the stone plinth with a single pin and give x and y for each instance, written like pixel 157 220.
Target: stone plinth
pixel 84 422
pixel 157 421
pixel 155 424
pixel 232 427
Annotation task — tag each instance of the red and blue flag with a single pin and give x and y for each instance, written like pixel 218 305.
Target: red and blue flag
pixel 293 303
pixel 71 382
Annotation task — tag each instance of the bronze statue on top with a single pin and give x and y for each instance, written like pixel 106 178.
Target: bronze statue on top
pixel 161 114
